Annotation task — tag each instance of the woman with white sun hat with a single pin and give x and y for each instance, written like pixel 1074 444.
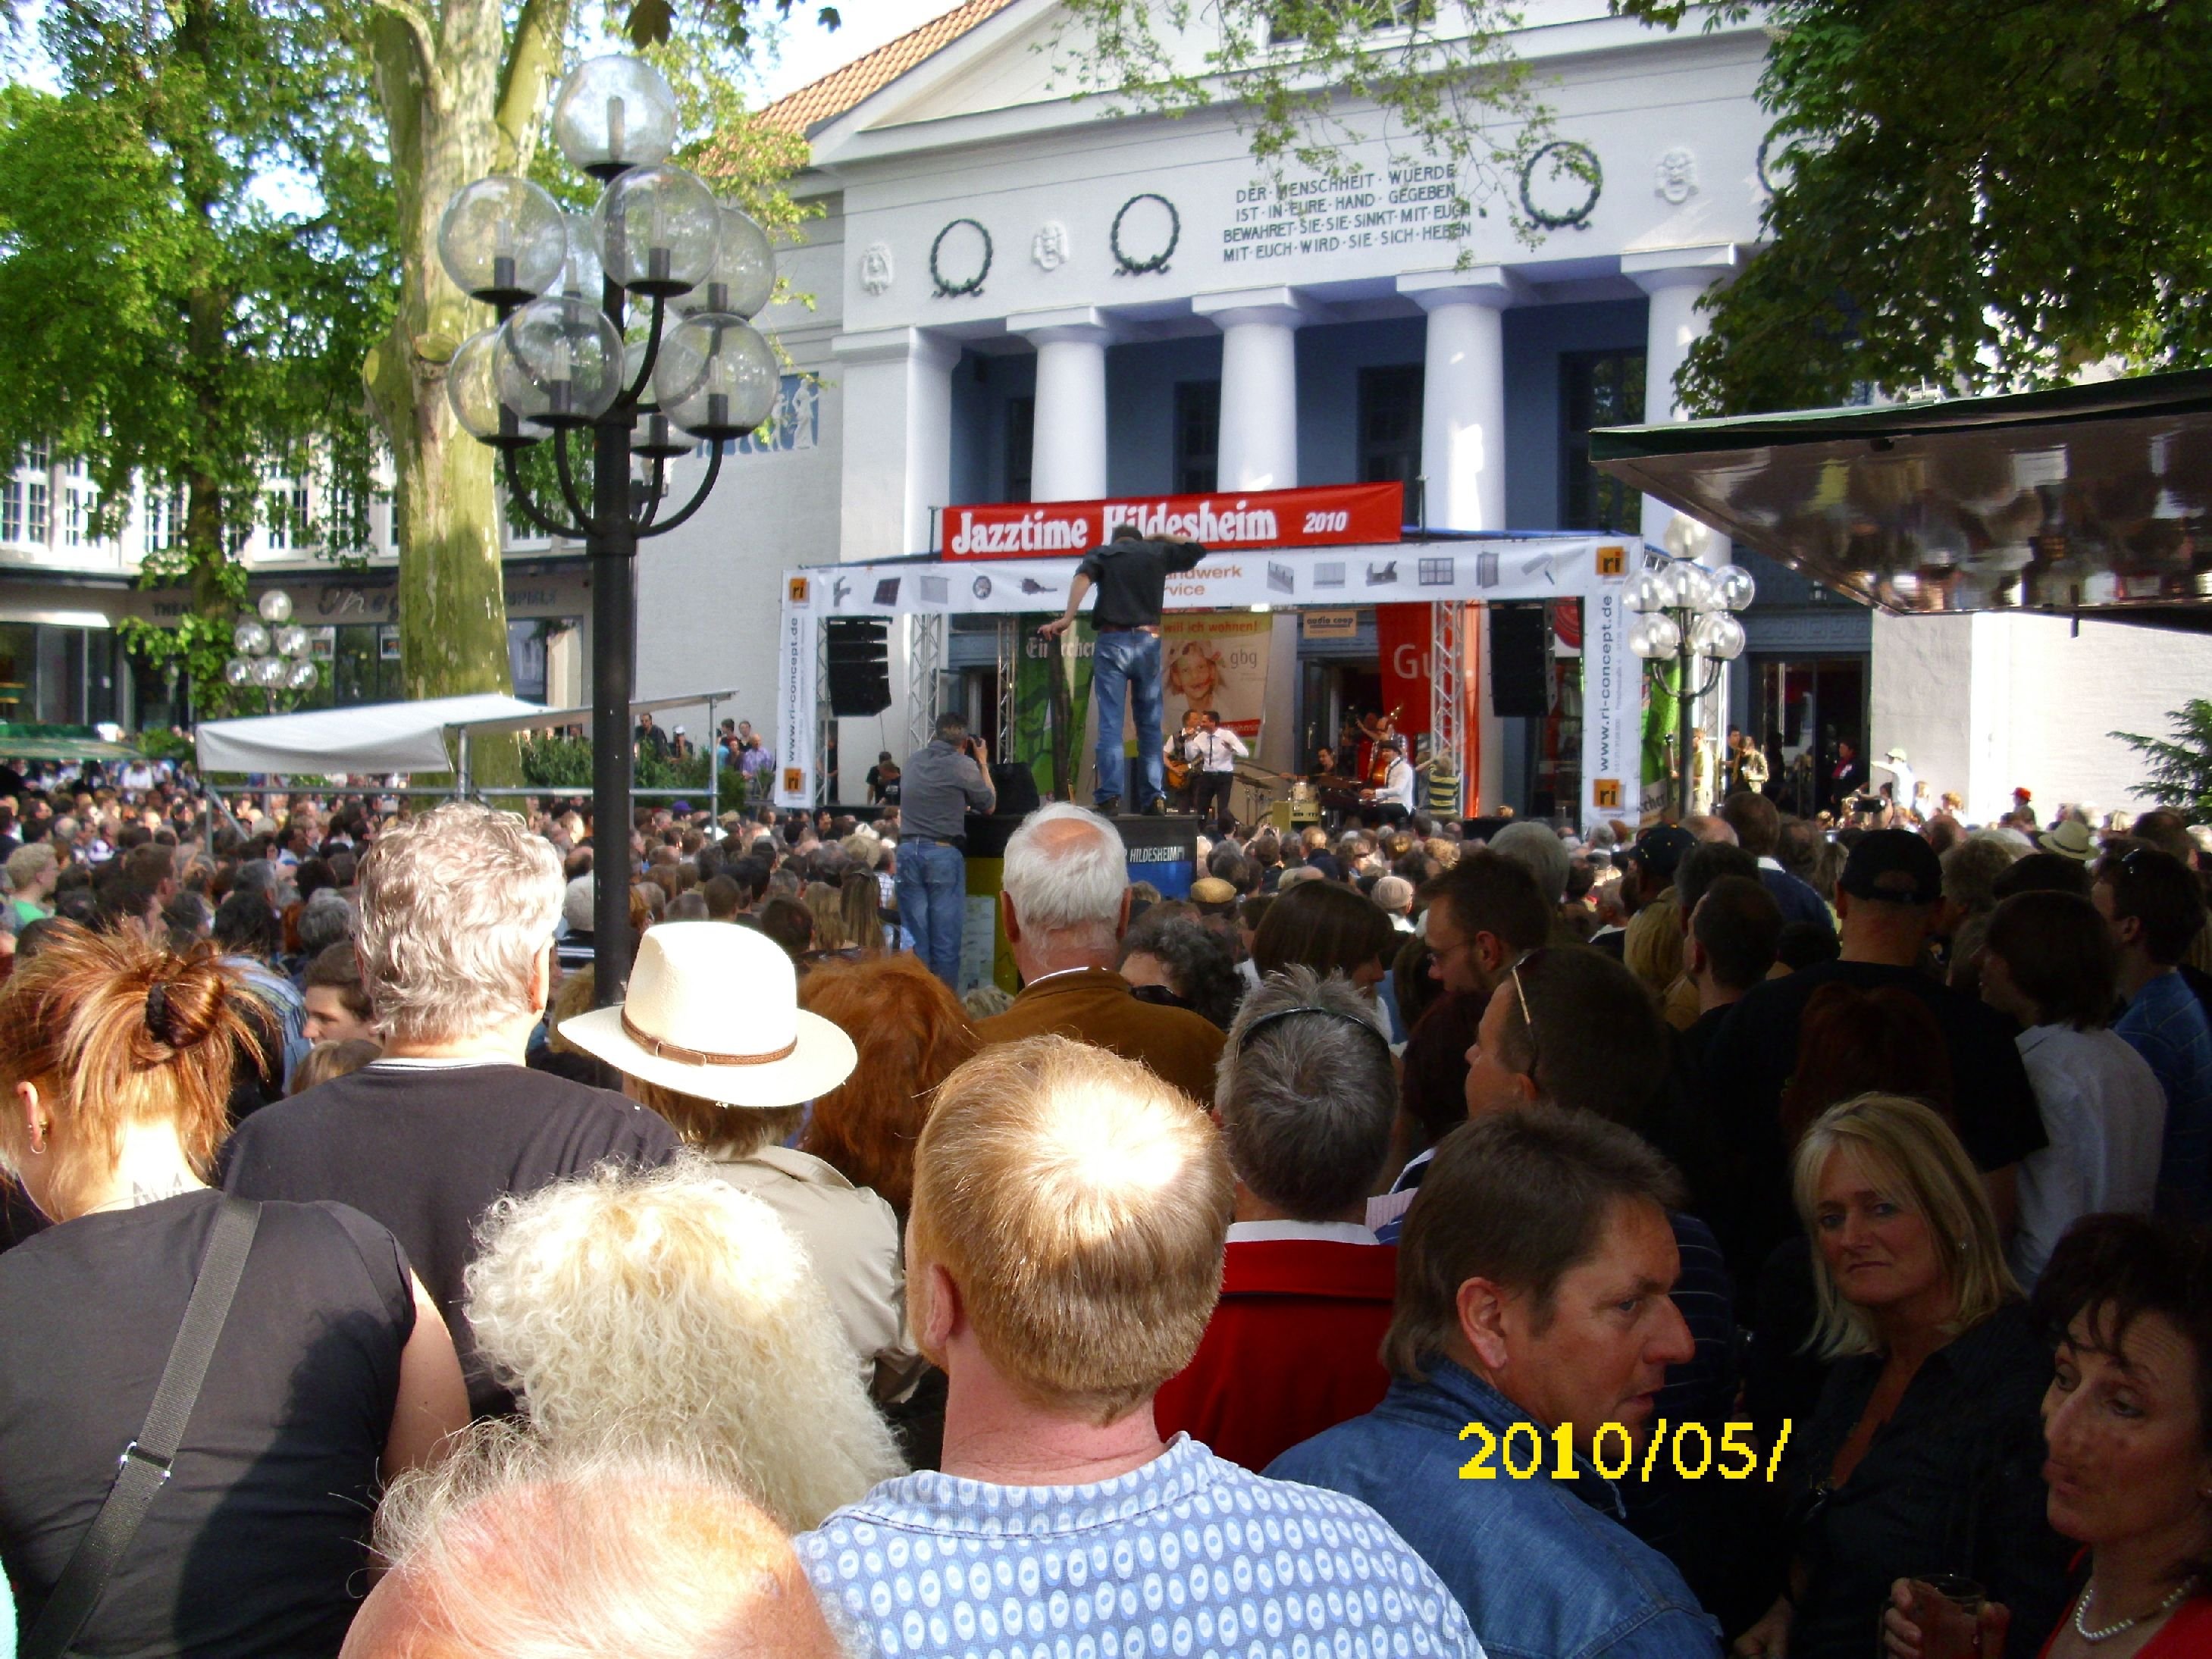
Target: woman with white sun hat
pixel 711 1037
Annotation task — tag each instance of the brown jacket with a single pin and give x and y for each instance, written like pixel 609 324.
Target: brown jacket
pixel 1094 1006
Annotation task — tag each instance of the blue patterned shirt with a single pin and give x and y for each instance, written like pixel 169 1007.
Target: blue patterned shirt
pixel 2166 1025
pixel 1189 1555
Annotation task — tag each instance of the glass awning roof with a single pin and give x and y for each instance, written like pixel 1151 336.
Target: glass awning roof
pixel 2091 498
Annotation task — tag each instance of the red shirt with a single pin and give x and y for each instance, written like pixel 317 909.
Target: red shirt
pixel 1293 1348
pixel 2187 1635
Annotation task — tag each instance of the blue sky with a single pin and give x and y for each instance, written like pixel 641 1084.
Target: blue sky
pixel 811 52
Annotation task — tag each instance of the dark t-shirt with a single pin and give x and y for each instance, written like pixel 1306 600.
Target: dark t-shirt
pixel 257 1541
pixel 1750 1058
pixel 1131 578
pixel 428 1150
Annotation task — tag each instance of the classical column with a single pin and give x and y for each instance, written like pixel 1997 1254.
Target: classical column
pixel 1463 395
pixel 1675 279
pixel 896 387
pixel 1259 442
pixel 1068 455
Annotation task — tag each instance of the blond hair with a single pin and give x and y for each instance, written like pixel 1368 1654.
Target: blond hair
pixel 1917 1162
pixel 457 909
pixel 1080 1204
pixel 670 1304
pixel 515 1545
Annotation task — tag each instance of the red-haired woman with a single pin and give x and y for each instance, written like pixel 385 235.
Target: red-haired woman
pixel 331 1370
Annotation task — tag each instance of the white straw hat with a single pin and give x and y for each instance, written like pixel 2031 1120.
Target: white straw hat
pixel 713 1011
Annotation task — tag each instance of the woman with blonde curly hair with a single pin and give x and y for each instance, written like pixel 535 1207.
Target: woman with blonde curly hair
pixel 676 1309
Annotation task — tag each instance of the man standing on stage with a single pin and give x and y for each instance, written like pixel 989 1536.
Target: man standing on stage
pixel 1130 574
pixel 1187 750
pixel 1393 803
pixel 1218 750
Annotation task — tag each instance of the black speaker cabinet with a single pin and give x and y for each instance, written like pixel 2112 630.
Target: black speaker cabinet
pixel 859 666
pixel 1518 661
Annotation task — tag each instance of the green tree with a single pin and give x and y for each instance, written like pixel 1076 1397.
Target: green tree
pixel 201 332
pixel 1305 78
pixel 2181 766
pixel 1972 197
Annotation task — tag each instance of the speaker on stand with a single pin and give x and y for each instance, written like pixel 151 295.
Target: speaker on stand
pixel 859 666
pixel 1519 660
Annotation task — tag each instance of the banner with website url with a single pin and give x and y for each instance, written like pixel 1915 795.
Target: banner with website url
pixel 1326 515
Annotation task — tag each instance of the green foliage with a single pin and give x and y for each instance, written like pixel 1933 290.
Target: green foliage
pixel 1300 75
pixel 165 322
pixel 1975 198
pixel 2181 766
pixel 565 763
pixel 164 745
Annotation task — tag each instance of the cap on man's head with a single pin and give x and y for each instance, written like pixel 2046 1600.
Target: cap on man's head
pixel 1212 890
pixel 1893 866
pixel 1660 851
pixel 1897 755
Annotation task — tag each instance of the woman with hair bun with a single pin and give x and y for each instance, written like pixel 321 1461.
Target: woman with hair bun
pixel 331 1372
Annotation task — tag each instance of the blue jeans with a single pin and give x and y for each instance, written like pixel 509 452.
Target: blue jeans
pixel 933 899
pixel 1127 665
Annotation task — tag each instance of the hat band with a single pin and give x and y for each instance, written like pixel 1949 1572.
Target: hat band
pixel 661 1048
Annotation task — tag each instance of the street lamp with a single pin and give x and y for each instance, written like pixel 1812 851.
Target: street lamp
pixel 1685 615
pixel 272 653
pixel 560 362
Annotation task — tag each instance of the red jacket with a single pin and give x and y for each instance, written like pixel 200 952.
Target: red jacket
pixel 1293 1348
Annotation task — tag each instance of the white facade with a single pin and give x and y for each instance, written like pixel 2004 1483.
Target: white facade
pixel 972 209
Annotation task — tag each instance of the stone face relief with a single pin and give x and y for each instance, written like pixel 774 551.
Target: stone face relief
pixel 1677 176
pixel 1049 245
pixel 876 268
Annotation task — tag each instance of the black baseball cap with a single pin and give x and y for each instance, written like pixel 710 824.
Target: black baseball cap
pixel 1660 850
pixel 1893 866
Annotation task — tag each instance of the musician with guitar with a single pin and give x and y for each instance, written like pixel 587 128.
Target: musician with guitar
pixel 1390 796
pixel 1185 750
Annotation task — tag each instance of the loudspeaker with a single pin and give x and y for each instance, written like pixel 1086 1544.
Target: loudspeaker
pixel 859 666
pixel 1517 661
pixel 1016 788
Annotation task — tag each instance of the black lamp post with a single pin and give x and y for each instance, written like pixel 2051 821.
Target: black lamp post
pixel 559 363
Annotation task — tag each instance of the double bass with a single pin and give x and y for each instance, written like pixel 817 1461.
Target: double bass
pixel 1373 771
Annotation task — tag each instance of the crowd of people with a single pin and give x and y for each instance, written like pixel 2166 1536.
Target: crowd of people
pixel 1735 1236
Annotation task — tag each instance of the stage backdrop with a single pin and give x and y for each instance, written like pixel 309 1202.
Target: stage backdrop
pixel 1215 660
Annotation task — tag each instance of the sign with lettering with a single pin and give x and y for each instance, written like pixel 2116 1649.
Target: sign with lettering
pixel 1402 204
pixel 1325 515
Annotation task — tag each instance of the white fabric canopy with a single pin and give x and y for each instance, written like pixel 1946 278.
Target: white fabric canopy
pixel 382 737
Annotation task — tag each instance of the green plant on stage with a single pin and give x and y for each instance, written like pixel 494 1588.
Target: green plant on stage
pixel 2181 765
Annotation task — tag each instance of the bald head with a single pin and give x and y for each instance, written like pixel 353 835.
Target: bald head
pixel 513 1549
pixel 1707 828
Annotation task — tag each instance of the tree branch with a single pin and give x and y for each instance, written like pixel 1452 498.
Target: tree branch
pixel 532 63
pixel 423 37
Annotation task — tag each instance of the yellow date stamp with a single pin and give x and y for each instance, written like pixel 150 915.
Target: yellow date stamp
pixel 1521 1452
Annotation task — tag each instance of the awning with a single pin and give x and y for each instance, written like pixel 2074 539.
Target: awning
pixel 25 741
pixel 2087 499
pixel 382 737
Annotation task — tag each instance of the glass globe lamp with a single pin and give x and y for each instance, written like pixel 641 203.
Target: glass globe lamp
pixel 238 673
pixel 1644 593
pixel 744 273
pixel 1724 638
pixel 472 390
pixel 301 675
pixel 659 230
pixel 291 641
pixel 717 378
pixel 559 362
pixel 269 672
pixel 1657 637
pixel 582 277
pixel 276 606
pixel 502 241
pixel 249 639
pixel 1736 587
pixel 653 439
pixel 614 113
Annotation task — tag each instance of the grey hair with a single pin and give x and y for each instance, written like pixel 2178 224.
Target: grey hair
pixel 325 920
pixel 1306 1101
pixel 1067 881
pixel 256 876
pixel 1537 849
pixel 514 1547
pixel 457 907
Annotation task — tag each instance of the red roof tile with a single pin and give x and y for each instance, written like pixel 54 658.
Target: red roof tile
pixel 804 110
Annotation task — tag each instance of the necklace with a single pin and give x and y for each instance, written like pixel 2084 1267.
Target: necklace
pixel 2092 1637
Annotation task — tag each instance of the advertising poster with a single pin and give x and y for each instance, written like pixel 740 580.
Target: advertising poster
pixel 1215 661
pixel 1614 766
pixel 795 696
pixel 1403 635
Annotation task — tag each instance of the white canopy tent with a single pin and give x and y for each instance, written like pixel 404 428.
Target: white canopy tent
pixel 381 736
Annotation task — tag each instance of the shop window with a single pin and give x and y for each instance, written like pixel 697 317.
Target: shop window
pixel 1390 425
pixel 1597 388
pixel 1197 436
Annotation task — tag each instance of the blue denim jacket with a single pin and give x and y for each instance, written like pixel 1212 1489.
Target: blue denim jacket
pixel 1543 1567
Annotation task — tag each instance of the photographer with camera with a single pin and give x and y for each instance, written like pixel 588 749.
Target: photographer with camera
pixel 939 788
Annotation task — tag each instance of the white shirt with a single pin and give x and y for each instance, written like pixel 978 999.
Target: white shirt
pixel 1272 1232
pixel 1398 784
pixel 2105 1113
pixel 1218 750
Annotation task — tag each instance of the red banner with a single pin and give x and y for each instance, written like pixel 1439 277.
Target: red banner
pixel 1403 636
pixel 1320 516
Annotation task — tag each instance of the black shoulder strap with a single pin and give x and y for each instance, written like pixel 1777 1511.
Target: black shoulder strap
pixel 145 1462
